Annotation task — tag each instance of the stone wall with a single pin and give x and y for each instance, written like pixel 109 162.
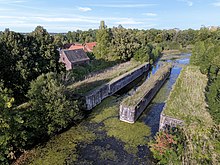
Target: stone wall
pixel 166 122
pixel 125 79
pixel 96 96
pixel 130 113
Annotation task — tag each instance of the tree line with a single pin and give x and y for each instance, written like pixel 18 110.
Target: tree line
pixel 206 54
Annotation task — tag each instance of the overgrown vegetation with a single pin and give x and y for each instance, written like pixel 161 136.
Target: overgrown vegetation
pixel 197 141
pixel 99 79
pixel 47 109
pixel 147 86
pixel 48 112
pixel 60 147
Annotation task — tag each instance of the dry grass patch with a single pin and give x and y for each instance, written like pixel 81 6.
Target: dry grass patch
pixel 103 77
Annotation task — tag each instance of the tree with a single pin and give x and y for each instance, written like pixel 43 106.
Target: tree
pixel 51 108
pixel 103 42
pixel 24 57
pixel 142 55
pixel 11 136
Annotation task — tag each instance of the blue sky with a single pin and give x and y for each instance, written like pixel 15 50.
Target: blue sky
pixel 70 15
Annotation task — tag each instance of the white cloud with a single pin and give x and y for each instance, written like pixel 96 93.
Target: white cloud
pixel 188 2
pixel 150 14
pixel 216 4
pixel 84 9
pixel 129 21
pixel 124 5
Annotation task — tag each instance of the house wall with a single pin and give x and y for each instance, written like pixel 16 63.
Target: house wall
pixel 65 60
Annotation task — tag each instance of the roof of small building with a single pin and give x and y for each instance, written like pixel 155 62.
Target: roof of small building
pixel 89 46
pixel 76 55
pixel 76 46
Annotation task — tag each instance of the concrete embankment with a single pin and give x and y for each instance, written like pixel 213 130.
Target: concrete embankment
pixel 94 97
pixel 132 107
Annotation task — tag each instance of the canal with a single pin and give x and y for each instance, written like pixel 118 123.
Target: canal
pixel 122 143
pixel 103 139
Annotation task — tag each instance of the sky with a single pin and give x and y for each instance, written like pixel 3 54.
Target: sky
pixel 70 15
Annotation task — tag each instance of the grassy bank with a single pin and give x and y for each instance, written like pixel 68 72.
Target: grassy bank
pixel 199 136
pixel 187 99
pixel 94 81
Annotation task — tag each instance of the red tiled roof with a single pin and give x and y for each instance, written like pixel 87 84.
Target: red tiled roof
pixel 78 46
pixel 89 46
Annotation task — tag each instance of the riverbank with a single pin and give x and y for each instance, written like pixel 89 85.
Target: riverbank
pixel 198 143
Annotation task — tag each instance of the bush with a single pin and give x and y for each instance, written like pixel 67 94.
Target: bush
pixel 167 147
pixel 52 109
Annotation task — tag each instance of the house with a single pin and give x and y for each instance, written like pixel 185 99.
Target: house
pixel 88 47
pixel 73 58
pixel 76 46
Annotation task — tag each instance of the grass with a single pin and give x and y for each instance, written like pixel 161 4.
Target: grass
pixel 132 135
pixel 81 87
pixel 146 87
pixel 187 99
pixel 187 102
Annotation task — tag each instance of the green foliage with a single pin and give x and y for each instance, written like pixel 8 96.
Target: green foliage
pixel 124 44
pixel 10 133
pixel 53 111
pixel 213 98
pixel 78 36
pixel 103 41
pixel 168 146
pixel 142 55
pixel 48 112
pixel 206 56
pixel 26 57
